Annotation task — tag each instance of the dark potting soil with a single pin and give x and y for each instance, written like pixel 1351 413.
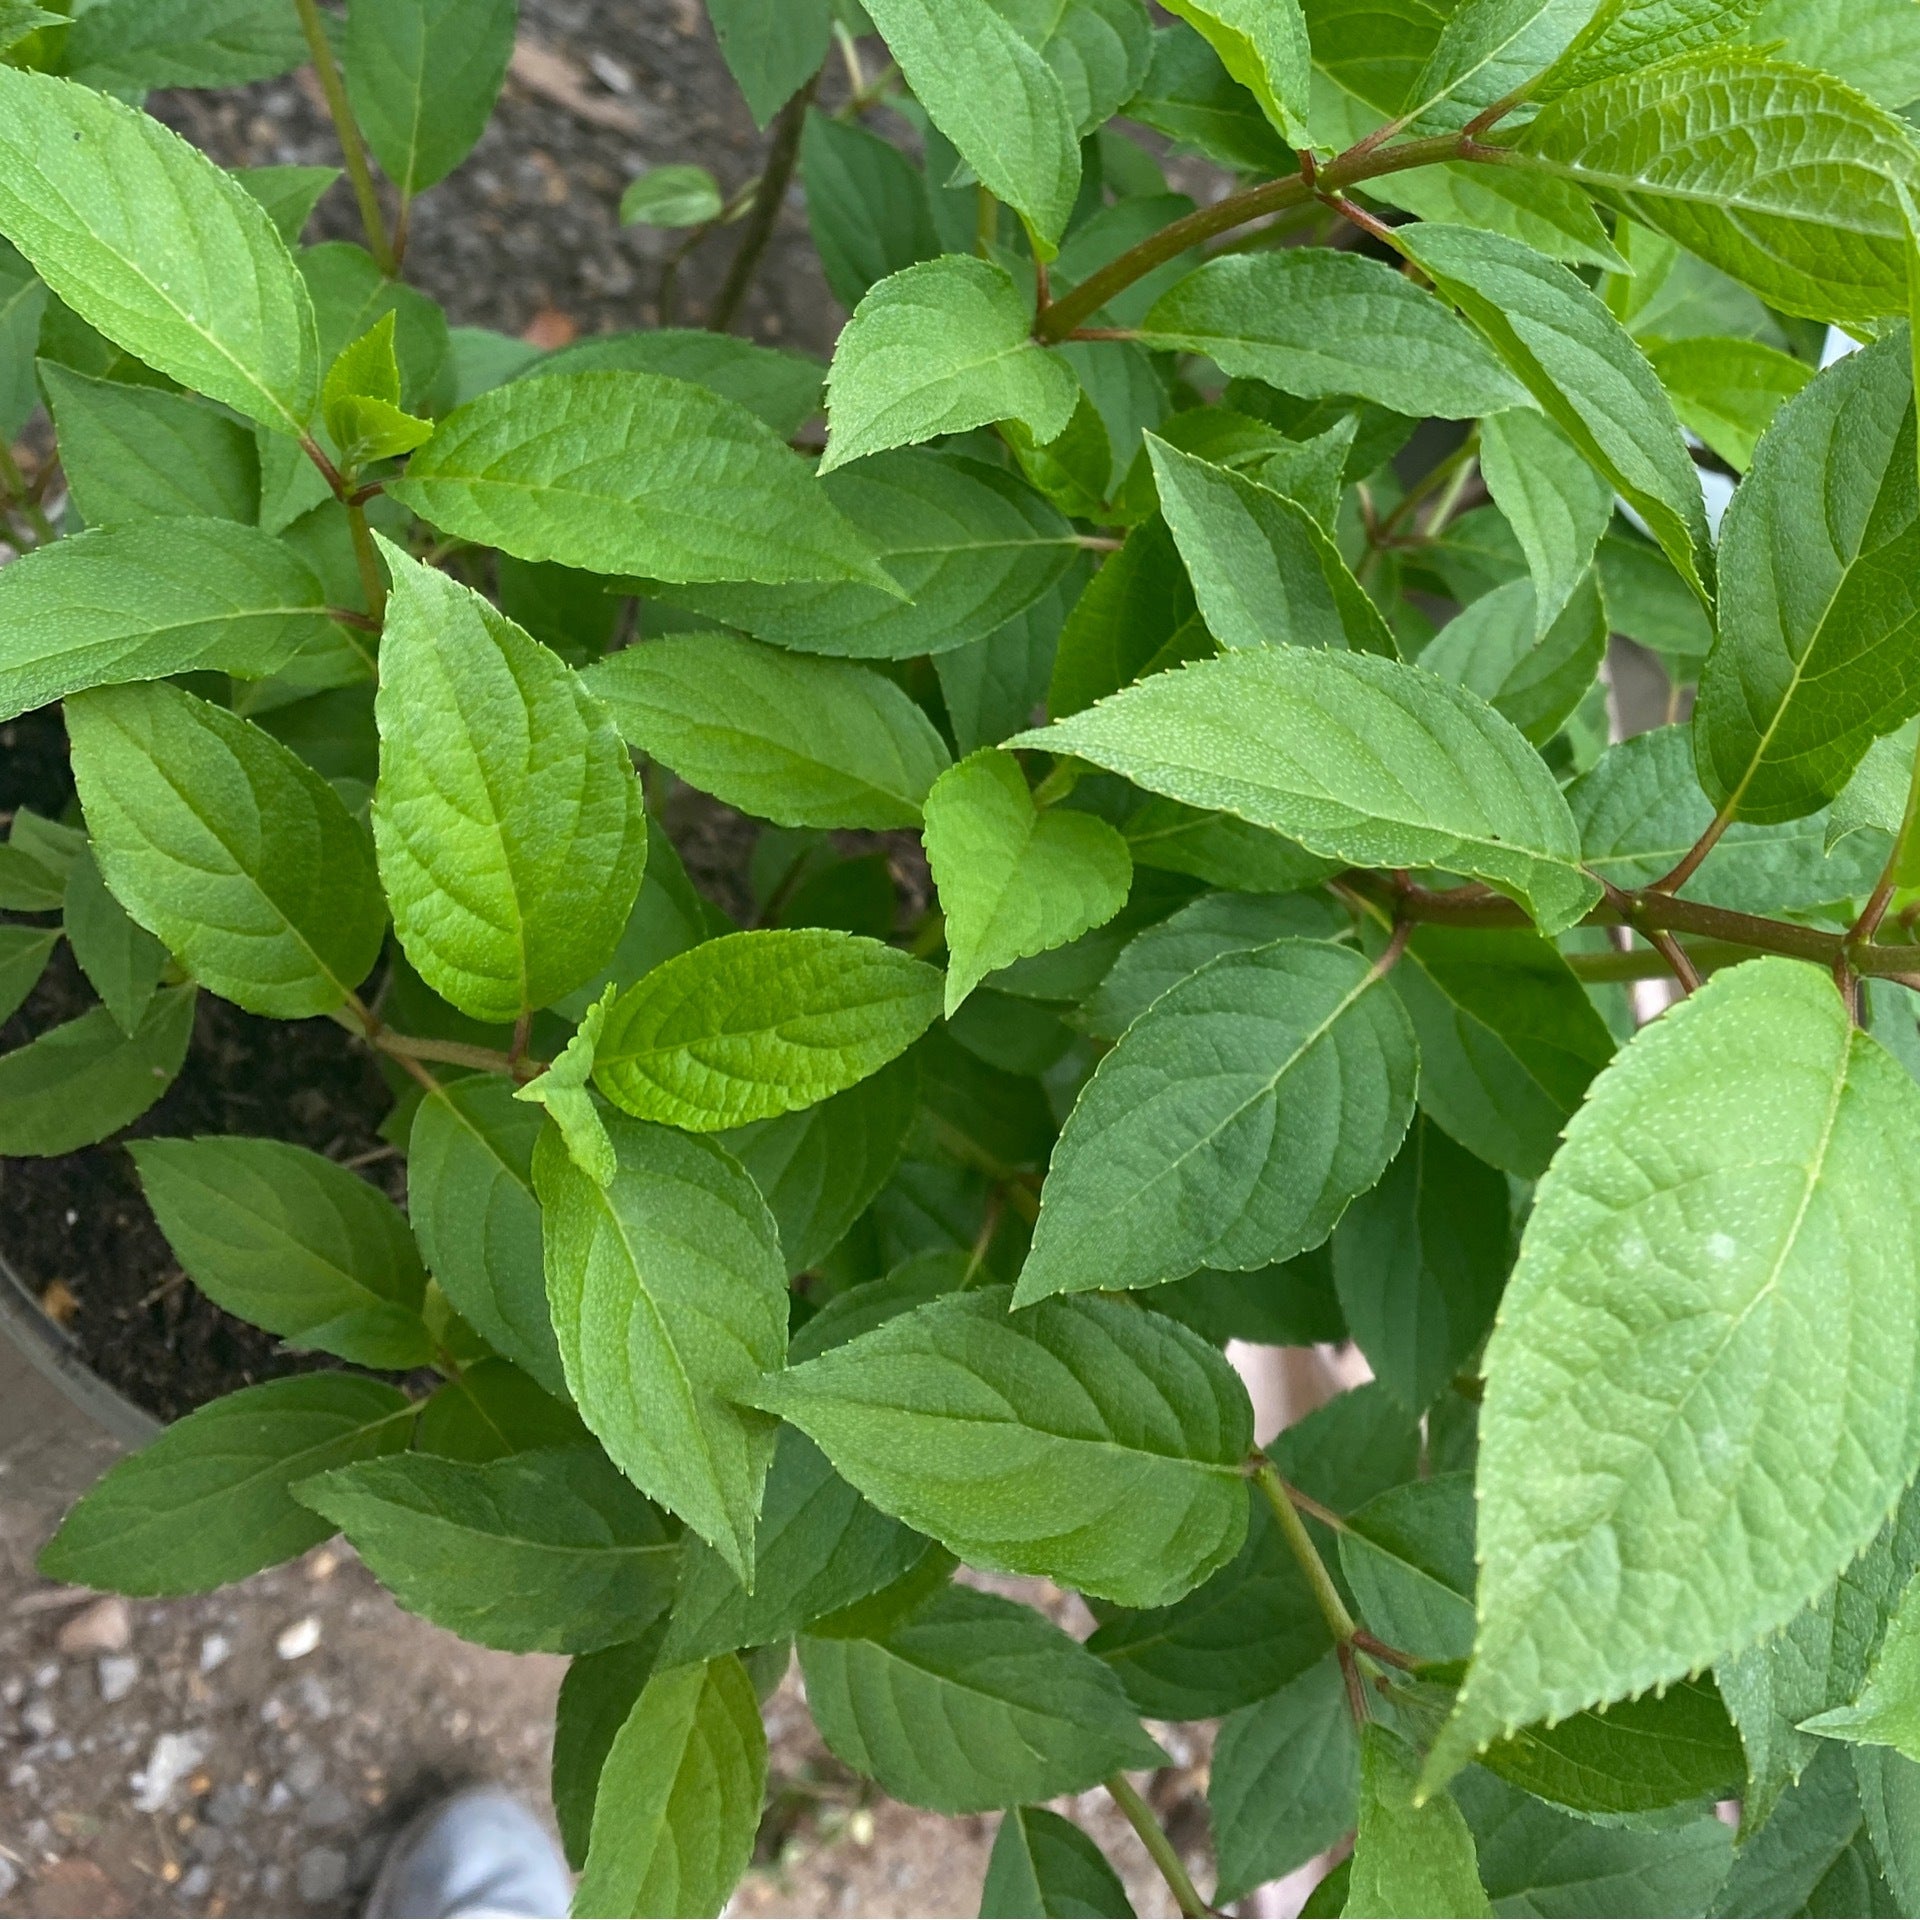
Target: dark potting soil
pixel 78 1224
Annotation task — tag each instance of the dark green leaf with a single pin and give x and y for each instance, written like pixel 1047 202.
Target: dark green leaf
pixel 771 47
pixel 596 1697
pixel 24 952
pixel 492 1410
pixel 867 206
pixel 77 1083
pixel 121 960
pixel 128 45
pixel 1407 1857
pixel 1044 1865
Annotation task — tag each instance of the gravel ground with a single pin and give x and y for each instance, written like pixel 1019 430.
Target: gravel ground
pixel 252 1751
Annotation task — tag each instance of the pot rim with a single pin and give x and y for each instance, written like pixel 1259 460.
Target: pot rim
pixel 52 1353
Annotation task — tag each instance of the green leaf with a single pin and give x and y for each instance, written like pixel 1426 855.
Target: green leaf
pixel 679 1797
pixel 1252 1629
pixel 147 240
pixel 1814 1833
pixel 671 197
pixel 1536 680
pixel 226 845
pixel 770 47
pixel 803 742
pixel 1783 178
pixel 360 401
pixel 1317 323
pixel 783 389
pixel 970 547
pixel 1015 879
pixel 1420 1262
pixel 1552 216
pixel 1757 1463
pixel 819 1169
pixel 632 473
pixel 1884 1713
pixel 1099 50
pixel 1727 391
pixel 1189 96
pixel 139 453
pixel 1285 1781
pixel 494 1410
pixel 422 76
pixel 1870 44
pixel 289 194
pixel 1819 1660
pixel 1640 809
pixel 290 1241
pixel 1263 44
pixel 1649 602
pixel 121 960
pixel 1231 1126
pixel 1487 50
pixel 1890 1797
pixel 1535 1860
pixel 19 18
pixel 125 46
pixel 1407 1554
pixel 669 1299
pixel 996 99
pixel 1625 35
pixel 510 827
pixel 27 885
pixel 757 1024
pixel 596 1697
pixel 1408 1858
pixel 971 1703
pixel 24 953
pixel 1819 647
pixel 1557 506
pixel 1584 371
pixel 1263 572
pixel 23 301
pixel 142 601
pixel 563 1091
pixel 470 1197
pixel 208 1501
pixel 1270 735
pixel 867 206
pixel 938 348
pixel 80 1082
pixel 548 1552
pixel 1020 1442
pixel 1042 1864
pixel 820 1548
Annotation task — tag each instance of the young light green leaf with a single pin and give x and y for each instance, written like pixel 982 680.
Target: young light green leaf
pixel 1727 391
pixel 679 1797
pixel 230 848
pixel 422 76
pixel 121 960
pixel 1231 1126
pixel 1487 50
pixel 290 1241
pixel 1015 879
pixel 632 473
pixel 671 197
pixel 819 1169
pixel 1623 36
pixel 1759 1462
pixel 1408 1857
pixel 819 1548
pixel 1074 1414
pixel 1535 679
pixel 564 1092
pixel 208 1501
pixel 1870 44
pixel 141 453
pixel 1420 1262
pixel 79 1082
pixel 126 46
pixel 757 1024
pixel 1556 504
pixel 938 348
pixel 1042 1864
pixel 802 742
pixel 1887 1712
pixel 971 1703
pixel 1316 323
pixel 142 601
pixel 1819 648
pixel 470 1198
pixel 545 1552
pixel 148 241
pixel 1263 44
pixel 360 401
pixel 771 47
pixel 996 99
pixel 969 545
pixel 1585 373
pixel 1263 572
pixel 1783 178
pixel 1285 1780
pixel 669 1299
pixel 511 829
pixel 1440 780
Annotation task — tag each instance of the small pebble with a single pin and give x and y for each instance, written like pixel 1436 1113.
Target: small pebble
pixel 119 1674
pixel 174 1756
pixel 215 1651
pixel 46 1674
pixel 300 1639
pixel 328 1808
pixel 230 1805
pixel 305 1773
pixel 104 1627
pixel 9 1876
pixel 37 1717
pixel 195 1885
pixel 321 1875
